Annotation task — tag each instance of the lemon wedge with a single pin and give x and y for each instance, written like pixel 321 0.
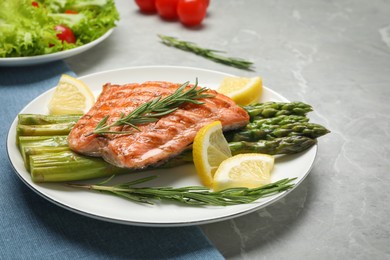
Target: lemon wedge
pixel 209 149
pixel 71 96
pixel 243 91
pixel 244 170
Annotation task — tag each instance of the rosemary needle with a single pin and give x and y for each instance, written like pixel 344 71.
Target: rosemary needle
pixel 210 54
pixel 191 195
pixel 153 110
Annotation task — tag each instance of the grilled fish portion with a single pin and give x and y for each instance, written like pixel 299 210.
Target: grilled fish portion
pixel 155 142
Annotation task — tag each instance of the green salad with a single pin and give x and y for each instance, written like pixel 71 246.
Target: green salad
pixel 29 28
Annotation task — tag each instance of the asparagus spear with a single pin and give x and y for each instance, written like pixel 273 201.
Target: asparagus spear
pixel 37 119
pixel 70 166
pixel 27 142
pixel 34 141
pixel 28 123
pixel 43 129
pixel 283 145
pixel 269 132
pixel 29 151
pixel 278 120
pixel 54 141
pixel 273 109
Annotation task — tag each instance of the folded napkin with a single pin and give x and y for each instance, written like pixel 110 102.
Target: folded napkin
pixel 34 228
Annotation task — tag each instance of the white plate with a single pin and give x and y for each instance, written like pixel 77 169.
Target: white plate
pixel 114 209
pixel 39 59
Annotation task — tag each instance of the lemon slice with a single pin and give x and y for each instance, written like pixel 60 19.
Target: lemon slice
pixel 243 91
pixel 71 96
pixel 209 149
pixel 244 170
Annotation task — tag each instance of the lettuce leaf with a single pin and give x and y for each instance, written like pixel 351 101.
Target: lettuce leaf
pixel 26 30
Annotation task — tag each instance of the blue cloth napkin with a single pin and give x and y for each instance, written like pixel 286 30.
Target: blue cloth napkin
pixel 34 228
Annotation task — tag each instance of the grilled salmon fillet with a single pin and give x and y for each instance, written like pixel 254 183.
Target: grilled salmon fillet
pixel 155 142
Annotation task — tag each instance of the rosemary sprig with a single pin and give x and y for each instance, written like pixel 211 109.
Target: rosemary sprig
pixel 206 53
pixel 190 195
pixel 153 110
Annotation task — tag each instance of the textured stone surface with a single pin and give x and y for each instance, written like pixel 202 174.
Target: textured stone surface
pixel 334 55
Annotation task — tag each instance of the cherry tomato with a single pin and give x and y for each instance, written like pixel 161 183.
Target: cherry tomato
pixel 191 12
pixel 207 2
pixel 147 6
pixel 35 4
pixel 65 34
pixel 167 9
pixel 70 12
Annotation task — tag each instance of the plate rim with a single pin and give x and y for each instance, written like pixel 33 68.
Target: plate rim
pixel 273 199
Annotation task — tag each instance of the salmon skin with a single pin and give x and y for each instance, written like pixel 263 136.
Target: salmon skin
pixel 155 142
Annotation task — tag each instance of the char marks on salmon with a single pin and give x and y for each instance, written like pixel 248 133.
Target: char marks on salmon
pixel 155 142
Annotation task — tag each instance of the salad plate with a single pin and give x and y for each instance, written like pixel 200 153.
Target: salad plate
pixel 39 59
pixel 162 214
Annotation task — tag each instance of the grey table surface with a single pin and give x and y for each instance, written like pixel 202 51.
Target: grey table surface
pixel 334 55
